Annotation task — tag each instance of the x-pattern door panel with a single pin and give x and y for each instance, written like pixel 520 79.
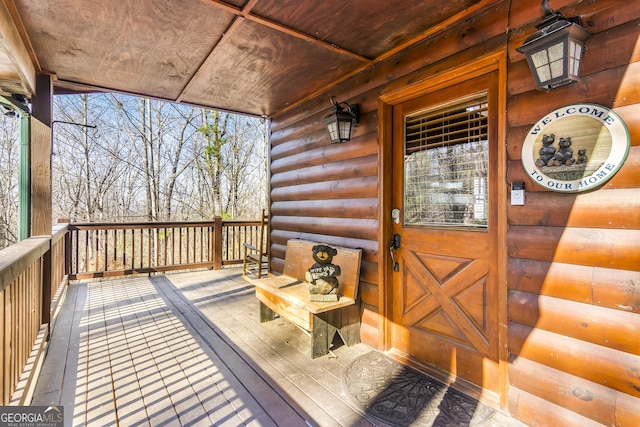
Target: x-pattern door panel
pixel 444 296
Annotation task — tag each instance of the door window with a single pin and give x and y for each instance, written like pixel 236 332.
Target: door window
pixel 446 165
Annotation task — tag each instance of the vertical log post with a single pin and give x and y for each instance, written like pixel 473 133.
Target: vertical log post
pixel 40 169
pixel 217 243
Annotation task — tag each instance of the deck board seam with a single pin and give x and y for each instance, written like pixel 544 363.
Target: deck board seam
pixel 191 318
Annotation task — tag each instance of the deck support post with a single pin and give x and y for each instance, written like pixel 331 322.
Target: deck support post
pixel 41 146
pixel 217 243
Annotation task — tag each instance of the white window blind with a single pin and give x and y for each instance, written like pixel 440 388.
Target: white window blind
pixel 446 164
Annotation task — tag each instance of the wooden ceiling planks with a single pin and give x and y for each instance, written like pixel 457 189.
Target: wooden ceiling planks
pixel 258 57
pixel 368 28
pixel 138 47
pixel 274 67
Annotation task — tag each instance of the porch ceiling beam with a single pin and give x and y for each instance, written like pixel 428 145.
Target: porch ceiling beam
pixel 239 13
pixel 108 89
pixel 245 12
pixel 461 16
pixel 227 33
pixel 306 37
pixel 18 67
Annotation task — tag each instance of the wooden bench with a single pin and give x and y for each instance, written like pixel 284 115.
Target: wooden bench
pixel 287 295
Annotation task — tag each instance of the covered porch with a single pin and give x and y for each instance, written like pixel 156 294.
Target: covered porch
pixel 188 349
pixel 542 326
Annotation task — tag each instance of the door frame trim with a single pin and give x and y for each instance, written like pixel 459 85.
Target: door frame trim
pixel 496 61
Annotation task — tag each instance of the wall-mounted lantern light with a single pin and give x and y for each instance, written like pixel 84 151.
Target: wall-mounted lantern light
pixel 555 50
pixel 341 120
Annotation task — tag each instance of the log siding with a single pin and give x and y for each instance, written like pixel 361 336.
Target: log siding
pixel 573 260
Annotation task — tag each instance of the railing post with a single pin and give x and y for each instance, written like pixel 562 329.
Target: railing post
pixel 67 247
pixel 47 265
pixel 217 243
pixel 67 253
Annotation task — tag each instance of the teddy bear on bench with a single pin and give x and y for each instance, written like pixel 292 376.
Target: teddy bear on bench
pixel 323 284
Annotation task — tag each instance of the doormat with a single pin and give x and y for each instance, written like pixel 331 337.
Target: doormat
pixel 402 396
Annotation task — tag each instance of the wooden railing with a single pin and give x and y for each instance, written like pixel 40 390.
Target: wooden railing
pixel 60 240
pixel 117 249
pixel 21 267
pixel 234 234
pixel 33 272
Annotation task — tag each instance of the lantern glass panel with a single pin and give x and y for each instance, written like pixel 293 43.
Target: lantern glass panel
pixel 345 129
pixel 556 51
pixel 541 62
pixel 575 52
pixel 332 128
pixel 557 68
pixel 556 58
pixel 540 59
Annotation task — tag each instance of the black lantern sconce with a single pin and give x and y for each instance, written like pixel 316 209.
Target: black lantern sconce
pixel 555 50
pixel 341 121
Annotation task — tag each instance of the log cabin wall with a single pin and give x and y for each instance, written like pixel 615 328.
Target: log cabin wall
pixel 573 269
pixel 574 259
pixel 329 192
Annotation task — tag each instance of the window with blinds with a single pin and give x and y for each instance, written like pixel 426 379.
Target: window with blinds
pixel 446 164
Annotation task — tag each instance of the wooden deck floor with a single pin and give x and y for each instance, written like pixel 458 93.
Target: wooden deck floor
pixel 187 349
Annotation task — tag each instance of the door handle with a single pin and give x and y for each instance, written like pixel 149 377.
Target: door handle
pixel 395 245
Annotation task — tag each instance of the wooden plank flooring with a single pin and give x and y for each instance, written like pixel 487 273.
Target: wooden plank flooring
pixel 187 349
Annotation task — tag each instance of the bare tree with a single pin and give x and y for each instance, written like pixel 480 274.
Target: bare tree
pixel 160 135
pixel 9 149
pixel 87 173
pixel 244 167
pixel 155 160
pixel 211 163
pixel 231 167
pixel 183 136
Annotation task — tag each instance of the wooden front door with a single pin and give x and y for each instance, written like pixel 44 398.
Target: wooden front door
pixel 445 213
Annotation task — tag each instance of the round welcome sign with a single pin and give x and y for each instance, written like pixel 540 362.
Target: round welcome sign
pixel 575 148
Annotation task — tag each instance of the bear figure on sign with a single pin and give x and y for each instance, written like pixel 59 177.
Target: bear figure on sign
pixel 564 155
pixel 547 151
pixel 582 156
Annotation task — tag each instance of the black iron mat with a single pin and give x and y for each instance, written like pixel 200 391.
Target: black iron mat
pixel 402 396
